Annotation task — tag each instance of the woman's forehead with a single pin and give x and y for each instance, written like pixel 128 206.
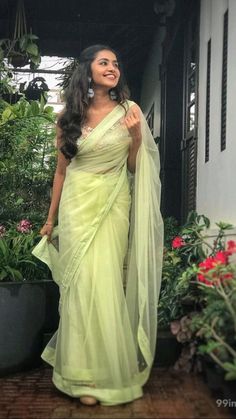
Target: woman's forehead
pixel 109 55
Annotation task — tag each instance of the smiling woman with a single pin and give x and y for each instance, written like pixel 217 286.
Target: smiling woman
pixel 105 344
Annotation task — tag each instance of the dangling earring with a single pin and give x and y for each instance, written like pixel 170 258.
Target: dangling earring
pixel 90 92
pixel 113 94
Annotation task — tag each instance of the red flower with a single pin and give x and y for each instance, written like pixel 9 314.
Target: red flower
pixel 201 278
pixel 207 264
pixel 221 257
pixel 229 275
pixel 231 247
pixel 178 242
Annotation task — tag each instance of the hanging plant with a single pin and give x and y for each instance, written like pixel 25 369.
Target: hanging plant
pixel 22 49
pixel 36 88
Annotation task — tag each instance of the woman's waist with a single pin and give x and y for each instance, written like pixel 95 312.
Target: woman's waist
pixel 86 176
pixel 82 167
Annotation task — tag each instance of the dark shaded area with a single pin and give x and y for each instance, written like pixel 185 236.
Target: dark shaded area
pixel 65 28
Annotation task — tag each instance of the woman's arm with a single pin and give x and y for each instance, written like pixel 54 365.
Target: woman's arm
pixel 133 124
pixel 58 182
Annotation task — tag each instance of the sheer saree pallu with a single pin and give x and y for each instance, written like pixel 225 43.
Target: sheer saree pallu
pixel 105 343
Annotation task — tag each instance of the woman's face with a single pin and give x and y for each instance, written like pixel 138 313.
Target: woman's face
pixel 105 69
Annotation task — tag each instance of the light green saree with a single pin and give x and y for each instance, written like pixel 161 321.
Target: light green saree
pixel 105 343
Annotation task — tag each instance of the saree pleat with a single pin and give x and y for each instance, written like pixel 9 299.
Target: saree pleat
pixel 105 342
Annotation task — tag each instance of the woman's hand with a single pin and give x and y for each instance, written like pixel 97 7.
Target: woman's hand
pixel 47 230
pixel 133 124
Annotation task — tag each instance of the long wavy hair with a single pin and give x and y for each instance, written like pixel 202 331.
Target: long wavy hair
pixel 77 101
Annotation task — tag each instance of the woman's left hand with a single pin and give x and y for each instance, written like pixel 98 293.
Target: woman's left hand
pixel 133 124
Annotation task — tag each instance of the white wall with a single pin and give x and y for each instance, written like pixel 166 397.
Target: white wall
pixel 216 191
pixel 151 86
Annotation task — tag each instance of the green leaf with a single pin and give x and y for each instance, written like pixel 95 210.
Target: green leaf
pixel 7 114
pixel 1 54
pixel 30 262
pixel 15 274
pixel 3 247
pixel 42 103
pixel 32 49
pixel 209 347
pixel 3 275
pixel 224 226
pixel 32 37
pixel 48 110
pixel 23 43
pixel 229 366
pixel 34 108
pixel 19 201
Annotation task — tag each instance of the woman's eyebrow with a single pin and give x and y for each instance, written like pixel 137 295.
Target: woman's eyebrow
pixel 106 59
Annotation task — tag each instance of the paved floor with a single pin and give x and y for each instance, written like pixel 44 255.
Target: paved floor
pixel 31 395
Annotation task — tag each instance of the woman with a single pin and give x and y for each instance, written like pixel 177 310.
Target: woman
pixel 104 347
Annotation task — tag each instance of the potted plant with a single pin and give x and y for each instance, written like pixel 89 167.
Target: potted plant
pixel 36 88
pixel 28 296
pixel 180 295
pixel 215 325
pixel 208 333
pixel 172 294
pixel 22 49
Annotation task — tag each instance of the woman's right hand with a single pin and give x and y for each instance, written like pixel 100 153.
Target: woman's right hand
pixel 47 230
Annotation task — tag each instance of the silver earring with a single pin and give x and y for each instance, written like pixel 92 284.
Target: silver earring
pixel 90 92
pixel 113 94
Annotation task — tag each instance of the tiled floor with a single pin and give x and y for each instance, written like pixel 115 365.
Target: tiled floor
pixel 31 395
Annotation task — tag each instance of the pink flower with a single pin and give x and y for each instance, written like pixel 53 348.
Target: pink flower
pixel 178 242
pixel 24 226
pixel 2 230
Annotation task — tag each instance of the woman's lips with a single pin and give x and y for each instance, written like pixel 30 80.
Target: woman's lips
pixel 110 76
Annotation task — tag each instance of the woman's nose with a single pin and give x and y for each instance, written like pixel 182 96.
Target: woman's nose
pixel 111 67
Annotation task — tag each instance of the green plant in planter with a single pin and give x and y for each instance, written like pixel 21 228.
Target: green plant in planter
pixel 210 266
pixel 36 88
pixel 22 49
pixel 215 325
pixel 183 247
pixel 16 260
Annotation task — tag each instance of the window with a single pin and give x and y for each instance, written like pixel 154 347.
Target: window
pixel 208 80
pixel 224 83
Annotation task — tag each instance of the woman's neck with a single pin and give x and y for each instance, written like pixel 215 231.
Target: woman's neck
pixel 101 99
